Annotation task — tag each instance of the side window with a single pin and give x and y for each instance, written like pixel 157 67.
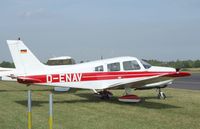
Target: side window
pixel 131 65
pixel 114 66
pixel 99 68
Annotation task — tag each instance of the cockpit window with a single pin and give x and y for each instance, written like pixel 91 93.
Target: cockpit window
pixel 114 66
pixel 99 68
pixel 131 65
pixel 145 64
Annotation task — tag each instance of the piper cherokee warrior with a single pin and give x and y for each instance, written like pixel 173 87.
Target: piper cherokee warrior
pixel 100 76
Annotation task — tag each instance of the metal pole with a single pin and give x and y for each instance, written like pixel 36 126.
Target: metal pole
pixel 29 110
pixel 50 111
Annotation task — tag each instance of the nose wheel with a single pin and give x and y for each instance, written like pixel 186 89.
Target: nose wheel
pixel 161 95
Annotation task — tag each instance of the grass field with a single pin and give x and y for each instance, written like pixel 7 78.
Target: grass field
pixel 81 110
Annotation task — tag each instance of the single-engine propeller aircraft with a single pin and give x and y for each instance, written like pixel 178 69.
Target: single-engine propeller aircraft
pixel 99 76
pixel 7 74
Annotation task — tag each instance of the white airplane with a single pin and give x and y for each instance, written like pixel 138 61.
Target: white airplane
pixel 102 75
pixel 7 74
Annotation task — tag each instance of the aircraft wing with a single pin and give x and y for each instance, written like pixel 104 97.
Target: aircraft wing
pixel 145 81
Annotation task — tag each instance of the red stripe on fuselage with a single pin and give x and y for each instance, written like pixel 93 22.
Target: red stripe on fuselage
pixel 95 76
pixel 115 75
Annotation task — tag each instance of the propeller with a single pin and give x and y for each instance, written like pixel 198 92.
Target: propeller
pixel 178 69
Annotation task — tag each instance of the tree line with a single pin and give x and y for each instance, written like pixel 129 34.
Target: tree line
pixel 175 64
pixel 6 64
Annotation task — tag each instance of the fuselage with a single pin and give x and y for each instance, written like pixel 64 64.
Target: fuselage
pixel 101 74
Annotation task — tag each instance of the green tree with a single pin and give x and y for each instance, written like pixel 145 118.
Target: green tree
pixel 6 64
pixel 197 64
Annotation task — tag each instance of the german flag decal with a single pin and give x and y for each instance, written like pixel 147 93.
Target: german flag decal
pixel 23 51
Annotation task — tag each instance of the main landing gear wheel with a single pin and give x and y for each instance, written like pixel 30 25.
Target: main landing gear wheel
pixel 161 95
pixel 128 97
pixel 104 94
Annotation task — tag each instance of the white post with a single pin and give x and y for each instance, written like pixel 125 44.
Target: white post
pixel 29 110
pixel 50 111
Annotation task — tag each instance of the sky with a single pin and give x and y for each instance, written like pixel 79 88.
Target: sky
pixel 88 29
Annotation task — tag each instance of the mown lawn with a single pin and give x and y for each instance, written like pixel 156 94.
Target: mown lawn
pixel 81 110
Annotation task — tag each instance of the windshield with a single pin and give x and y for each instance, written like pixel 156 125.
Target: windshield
pixel 145 64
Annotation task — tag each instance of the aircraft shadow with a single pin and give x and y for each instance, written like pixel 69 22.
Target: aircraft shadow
pixel 114 100
pixel 143 103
